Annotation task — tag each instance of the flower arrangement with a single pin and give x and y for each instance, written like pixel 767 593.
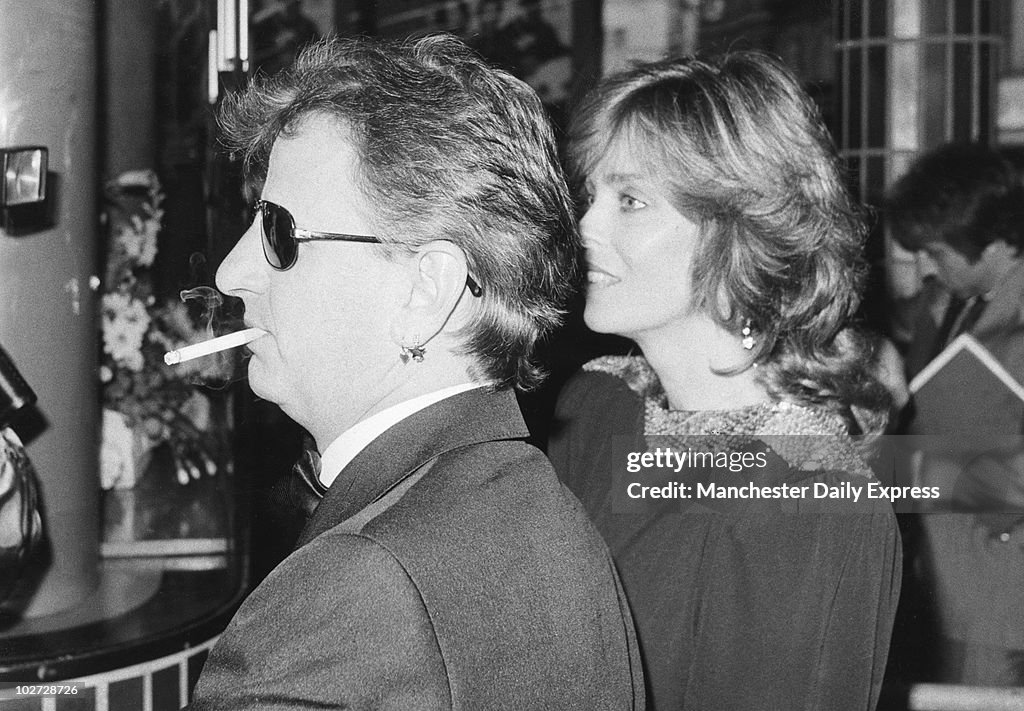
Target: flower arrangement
pixel 147 403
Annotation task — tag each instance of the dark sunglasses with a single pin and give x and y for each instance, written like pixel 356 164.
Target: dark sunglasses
pixel 281 239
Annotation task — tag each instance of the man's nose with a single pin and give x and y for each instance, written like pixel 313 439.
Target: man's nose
pixel 243 269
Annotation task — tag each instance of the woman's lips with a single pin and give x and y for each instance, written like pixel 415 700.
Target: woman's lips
pixel 598 277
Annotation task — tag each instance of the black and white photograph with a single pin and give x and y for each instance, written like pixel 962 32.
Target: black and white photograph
pixel 470 355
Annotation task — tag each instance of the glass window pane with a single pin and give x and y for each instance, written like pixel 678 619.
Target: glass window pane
pixel 875 108
pixel 856 18
pixel 899 163
pixel 984 93
pixel 985 11
pixel 963 92
pixel 874 180
pixel 840 130
pixel 963 17
pixel 903 96
pixel 935 14
pixel 933 94
pixel 877 18
pixel 855 98
pixel 843 20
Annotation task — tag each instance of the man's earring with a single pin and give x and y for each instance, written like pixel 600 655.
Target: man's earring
pixel 415 352
pixel 748 338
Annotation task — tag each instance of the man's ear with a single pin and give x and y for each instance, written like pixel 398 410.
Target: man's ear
pixel 437 280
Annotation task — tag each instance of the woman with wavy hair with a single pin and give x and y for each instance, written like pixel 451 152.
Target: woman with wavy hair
pixel 720 239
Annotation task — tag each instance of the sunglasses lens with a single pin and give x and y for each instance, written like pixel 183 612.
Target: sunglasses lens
pixel 279 243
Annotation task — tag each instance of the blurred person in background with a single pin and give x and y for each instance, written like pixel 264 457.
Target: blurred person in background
pixel 960 208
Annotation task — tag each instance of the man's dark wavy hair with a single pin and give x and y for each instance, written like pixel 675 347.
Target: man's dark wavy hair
pixel 963 195
pixel 450 149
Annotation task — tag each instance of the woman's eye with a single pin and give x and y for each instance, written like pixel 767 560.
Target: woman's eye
pixel 628 202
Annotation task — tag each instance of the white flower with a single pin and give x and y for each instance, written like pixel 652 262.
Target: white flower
pixel 117 461
pixel 197 409
pixel 147 242
pixel 125 240
pixel 144 237
pixel 125 321
pixel 136 179
pixel 138 240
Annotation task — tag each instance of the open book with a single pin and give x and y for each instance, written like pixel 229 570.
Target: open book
pixel 966 389
pixel 963 361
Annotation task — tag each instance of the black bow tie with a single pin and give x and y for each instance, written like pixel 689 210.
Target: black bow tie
pixel 305 487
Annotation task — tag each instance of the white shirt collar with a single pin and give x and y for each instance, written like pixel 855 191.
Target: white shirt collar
pixel 352 441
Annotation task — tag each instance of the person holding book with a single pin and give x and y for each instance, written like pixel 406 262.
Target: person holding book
pixel 960 208
pixel 720 239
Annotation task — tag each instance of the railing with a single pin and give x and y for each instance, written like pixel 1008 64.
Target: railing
pixel 154 685
pixel 954 697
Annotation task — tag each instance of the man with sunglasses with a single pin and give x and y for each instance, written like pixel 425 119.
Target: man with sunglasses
pixel 413 241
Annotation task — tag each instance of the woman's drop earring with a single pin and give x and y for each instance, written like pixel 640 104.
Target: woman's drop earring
pixel 748 338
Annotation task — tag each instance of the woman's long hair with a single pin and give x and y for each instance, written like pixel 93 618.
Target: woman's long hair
pixel 740 149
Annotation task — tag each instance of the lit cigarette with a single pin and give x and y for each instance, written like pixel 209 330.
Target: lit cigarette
pixel 214 345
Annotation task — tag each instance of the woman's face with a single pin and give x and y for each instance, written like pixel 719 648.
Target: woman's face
pixel 639 252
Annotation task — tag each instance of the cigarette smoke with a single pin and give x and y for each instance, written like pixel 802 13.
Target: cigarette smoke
pixel 217 315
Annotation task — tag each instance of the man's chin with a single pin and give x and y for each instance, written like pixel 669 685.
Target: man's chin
pixel 258 382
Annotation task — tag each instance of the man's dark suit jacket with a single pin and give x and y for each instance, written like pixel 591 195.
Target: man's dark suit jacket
pixel 446 568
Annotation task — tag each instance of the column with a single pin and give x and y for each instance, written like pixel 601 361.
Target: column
pixel 47 318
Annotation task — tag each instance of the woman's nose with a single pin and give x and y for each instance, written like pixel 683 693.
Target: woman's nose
pixel 591 229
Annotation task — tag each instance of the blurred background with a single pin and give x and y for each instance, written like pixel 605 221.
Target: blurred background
pixel 158 487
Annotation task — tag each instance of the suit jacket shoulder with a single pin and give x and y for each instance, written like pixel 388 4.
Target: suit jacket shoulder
pixel 321 632
pixel 492 541
pixel 451 559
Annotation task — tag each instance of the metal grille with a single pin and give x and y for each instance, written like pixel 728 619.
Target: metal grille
pixel 913 74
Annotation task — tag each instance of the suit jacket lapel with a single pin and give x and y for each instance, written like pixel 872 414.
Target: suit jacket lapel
pixel 467 418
